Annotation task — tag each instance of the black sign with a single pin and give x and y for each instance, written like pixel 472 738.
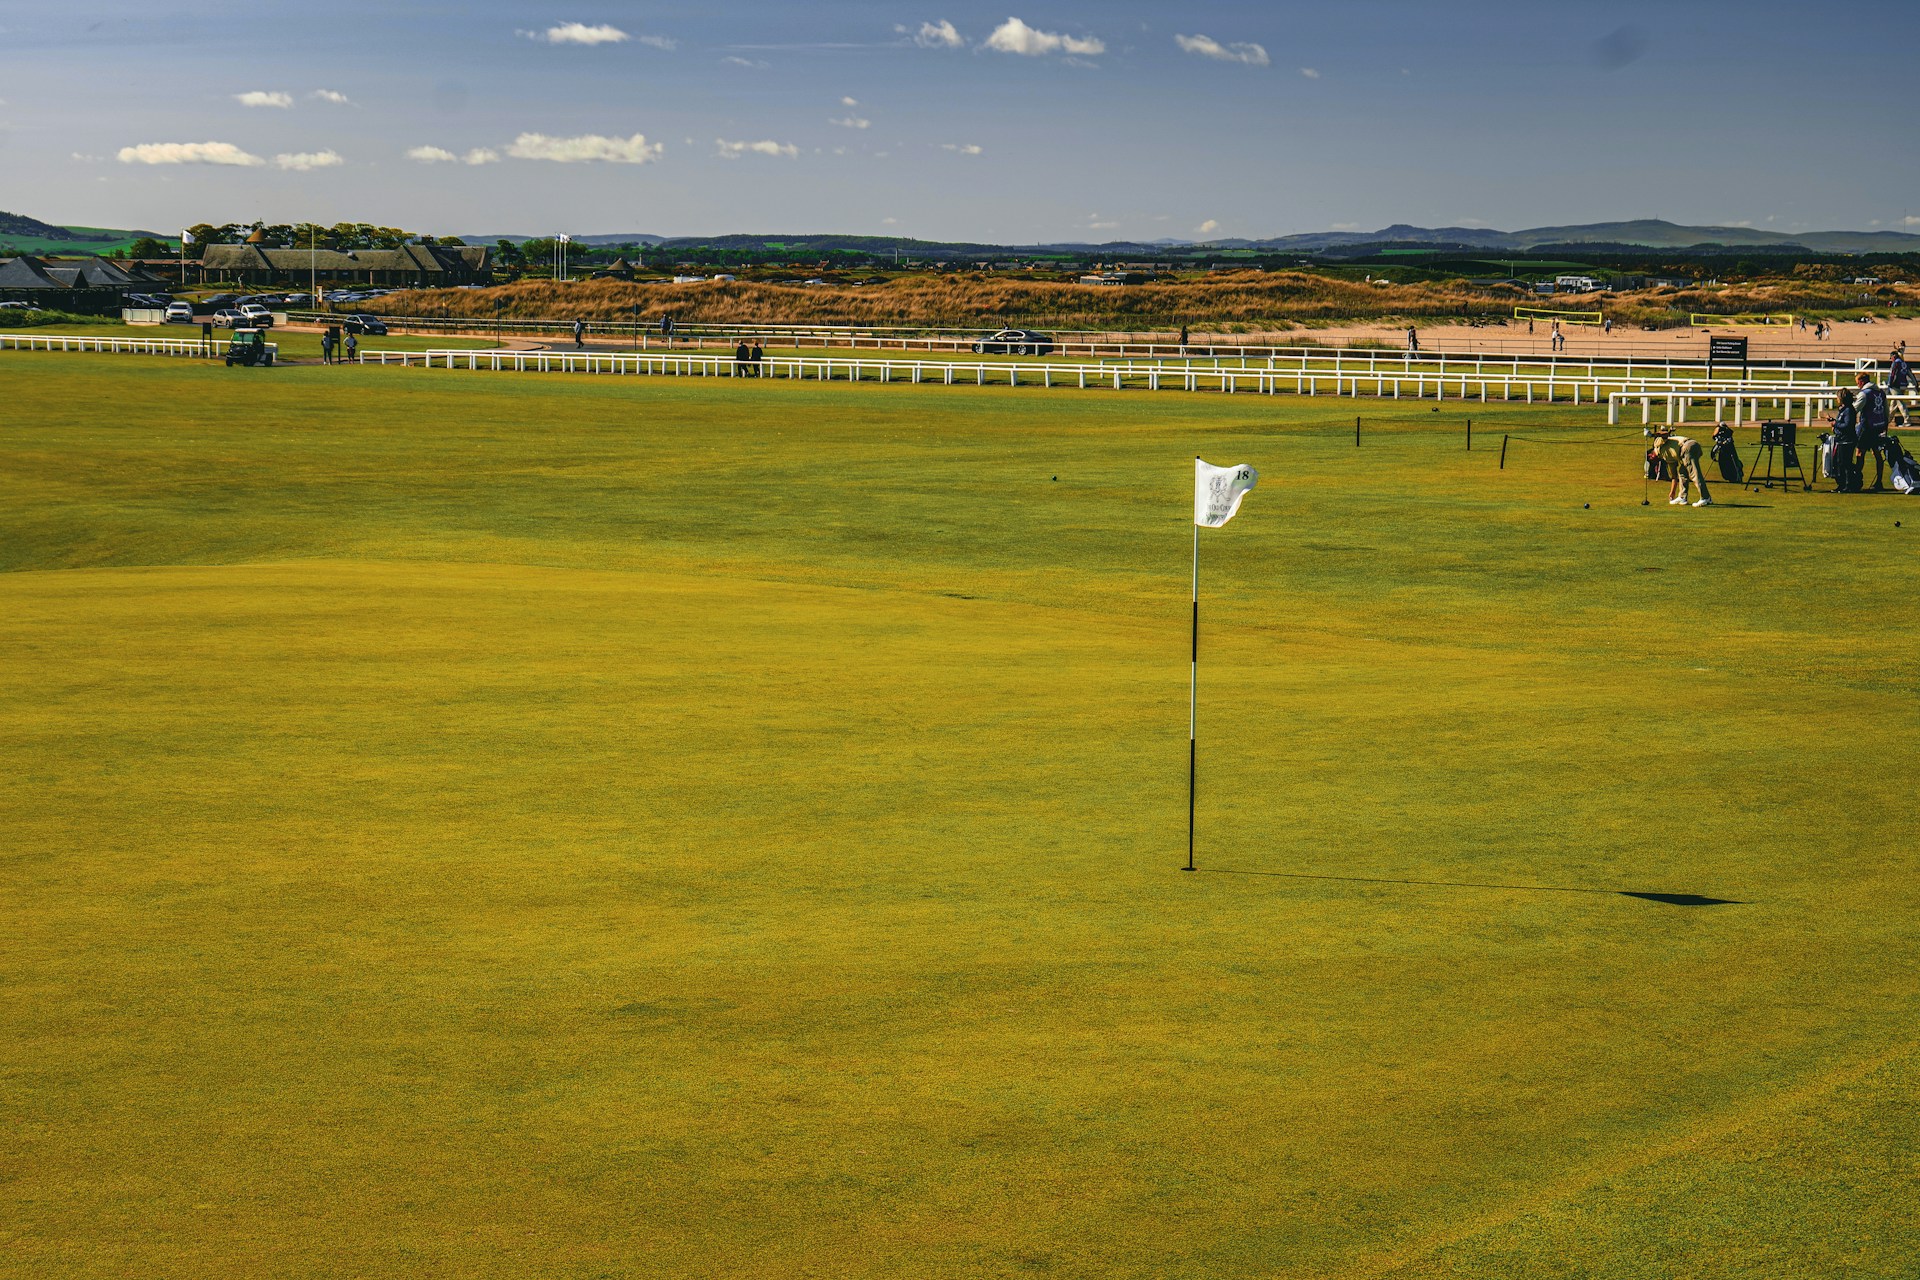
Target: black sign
pixel 1726 351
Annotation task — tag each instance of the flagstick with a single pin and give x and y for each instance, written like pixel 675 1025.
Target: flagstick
pixel 1193 696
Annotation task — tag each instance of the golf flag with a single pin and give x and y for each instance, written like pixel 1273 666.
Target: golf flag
pixel 186 238
pixel 1217 492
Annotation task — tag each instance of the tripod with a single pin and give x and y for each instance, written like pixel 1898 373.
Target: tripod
pixel 1778 446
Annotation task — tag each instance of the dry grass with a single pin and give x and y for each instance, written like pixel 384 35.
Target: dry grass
pixel 1236 302
pixel 1244 298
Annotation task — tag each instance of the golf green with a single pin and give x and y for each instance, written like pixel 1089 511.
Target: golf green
pixel 561 826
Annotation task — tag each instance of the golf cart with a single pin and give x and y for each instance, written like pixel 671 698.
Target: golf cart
pixel 249 347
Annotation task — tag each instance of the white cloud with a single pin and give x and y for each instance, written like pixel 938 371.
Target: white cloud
pixel 735 60
pixel 1344 226
pixel 1910 221
pixel 431 155
pixel 938 35
pixel 302 161
pixel 1101 226
pixel 963 148
pixel 1207 47
pixel 586 147
pixel 1015 36
pixel 188 153
pixel 481 155
pixel 1310 73
pixel 888 222
pixel 261 98
pixel 765 147
pixel 659 42
pixel 337 98
pixel 849 102
pixel 1207 228
pixel 850 122
pixel 578 33
pixel 80 156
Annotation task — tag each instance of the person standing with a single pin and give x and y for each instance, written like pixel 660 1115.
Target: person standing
pixel 1843 443
pixel 1870 403
pixel 742 357
pixel 1413 340
pixel 579 333
pixel 1559 339
pixel 1183 339
pixel 1683 456
pixel 1606 326
pixel 326 346
pixel 353 347
pixel 759 358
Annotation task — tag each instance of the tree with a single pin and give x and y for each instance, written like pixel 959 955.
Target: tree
pixel 148 247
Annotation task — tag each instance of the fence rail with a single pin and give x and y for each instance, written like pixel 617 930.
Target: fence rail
pixel 1385 382
pixel 1678 402
pixel 1088 342
pixel 190 348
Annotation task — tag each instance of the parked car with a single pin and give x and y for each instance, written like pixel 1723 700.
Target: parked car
pixel 21 306
pixel 1018 342
pixel 179 313
pixel 364 323
pixel 296 300
pixel 257 315
pixel 228 318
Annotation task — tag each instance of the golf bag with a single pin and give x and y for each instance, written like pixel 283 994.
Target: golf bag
pixel 1828 468
pixel 1902 468
pixel 1727 455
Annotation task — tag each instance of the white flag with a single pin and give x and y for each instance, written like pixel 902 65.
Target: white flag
pixel 186 238
pixel 1217 492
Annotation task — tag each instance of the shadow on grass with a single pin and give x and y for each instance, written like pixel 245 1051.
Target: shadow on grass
pixel 1671 899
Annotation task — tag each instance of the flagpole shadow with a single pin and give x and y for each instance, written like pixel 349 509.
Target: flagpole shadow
pixel 1671 899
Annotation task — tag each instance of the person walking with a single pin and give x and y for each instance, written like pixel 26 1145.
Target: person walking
pixel 742 357
pixel 579 333
pixel 353 347
pixel 1606 326
pixel 1559 339
pixel 1682 455
pixel 759 358
pixel 1899 381
pixel 1183 339
pixel 1870 403
pixel 326 346
pixel 1413 340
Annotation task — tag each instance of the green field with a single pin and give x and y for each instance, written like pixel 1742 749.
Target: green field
pixel 473 825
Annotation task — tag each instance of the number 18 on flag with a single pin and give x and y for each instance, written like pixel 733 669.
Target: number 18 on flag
pixel 1217 492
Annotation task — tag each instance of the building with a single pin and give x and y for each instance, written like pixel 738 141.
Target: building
pixel 90 285
pixel 422 265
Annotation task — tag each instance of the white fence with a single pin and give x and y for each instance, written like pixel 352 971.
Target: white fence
pixel 1749 404
pixel 190 348
pixel 1303 378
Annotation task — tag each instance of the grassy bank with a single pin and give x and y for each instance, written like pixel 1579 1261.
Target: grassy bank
pixel 561 826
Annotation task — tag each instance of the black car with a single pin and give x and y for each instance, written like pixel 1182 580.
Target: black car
pixel 1015 342
pixel 364 323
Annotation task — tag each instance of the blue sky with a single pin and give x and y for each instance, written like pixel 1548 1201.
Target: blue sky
pixel 1008 121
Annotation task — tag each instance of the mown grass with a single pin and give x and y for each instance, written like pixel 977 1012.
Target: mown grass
pixel 588 827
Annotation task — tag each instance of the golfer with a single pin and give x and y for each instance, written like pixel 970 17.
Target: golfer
pixel 1683 455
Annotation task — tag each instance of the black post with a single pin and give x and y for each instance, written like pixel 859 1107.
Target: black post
pixel 1356 432
pixel 1503 453
pixel 1193 749
pixel 1469 435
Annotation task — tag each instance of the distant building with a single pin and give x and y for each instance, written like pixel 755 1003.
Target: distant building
pixel 86 284
pixel 429 265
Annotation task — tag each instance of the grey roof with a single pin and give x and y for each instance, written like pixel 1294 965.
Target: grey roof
pixel 426 259
pixel 25 272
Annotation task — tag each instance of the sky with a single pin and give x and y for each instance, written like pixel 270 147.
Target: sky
pixel 1013 121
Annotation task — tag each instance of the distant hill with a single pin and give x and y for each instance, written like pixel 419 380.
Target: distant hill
pixel 21 234
pixel 1642 233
